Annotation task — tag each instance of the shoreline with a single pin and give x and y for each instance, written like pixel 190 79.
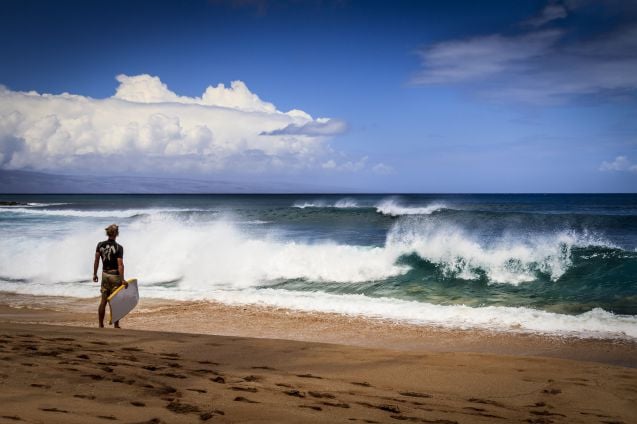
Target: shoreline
pixel 213 318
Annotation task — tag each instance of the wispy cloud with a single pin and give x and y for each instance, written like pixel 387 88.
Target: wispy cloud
pixel 551 12
pixel 621 163
pixel 482 57
pixel 542 62
pixel 145 125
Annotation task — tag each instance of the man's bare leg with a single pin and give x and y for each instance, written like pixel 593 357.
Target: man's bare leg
pixel 101 311
pixel 117 324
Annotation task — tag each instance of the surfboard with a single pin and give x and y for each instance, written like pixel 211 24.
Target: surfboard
pixel 123 300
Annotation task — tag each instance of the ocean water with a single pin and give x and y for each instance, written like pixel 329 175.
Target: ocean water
pixel 551 264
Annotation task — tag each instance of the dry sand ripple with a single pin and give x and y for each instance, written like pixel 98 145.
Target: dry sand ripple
pixel 77 375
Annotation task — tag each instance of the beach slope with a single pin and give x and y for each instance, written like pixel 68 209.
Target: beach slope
pixel 78 375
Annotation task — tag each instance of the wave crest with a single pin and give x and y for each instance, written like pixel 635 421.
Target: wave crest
pixel 392 207
pixel 508 259
pixel 345 203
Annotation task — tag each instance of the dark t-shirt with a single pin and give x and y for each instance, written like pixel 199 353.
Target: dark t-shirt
pixel 109 250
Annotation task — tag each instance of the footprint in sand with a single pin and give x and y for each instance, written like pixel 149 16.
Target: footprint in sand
pixel 219 380
pixel 295 393
pixel 137 403
pixel 11 417
pixel 321 395
pixel 63 411
pixel 547 413
pixel 89 397
pixel 336 404
pixel 182 408
pixel 172 375
pixel 244 389
pixel 107 417
pixel 43 386
pixel 289 386
pixel 152 421
pixel 150 367
pixel 242 399
pixel 314 407
pixel 361 383
pixel 382 407
pixel 309 376
pixel 205 416
pixel 486 402
pixel 415 394
pixel 422 420
pixel 264 367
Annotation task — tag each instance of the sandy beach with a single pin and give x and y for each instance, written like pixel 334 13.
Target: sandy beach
pixel 266 365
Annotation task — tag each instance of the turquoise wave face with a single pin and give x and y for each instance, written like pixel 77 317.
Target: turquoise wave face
pixel 597 277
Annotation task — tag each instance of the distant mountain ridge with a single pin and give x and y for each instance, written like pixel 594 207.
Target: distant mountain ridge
pixel 14 182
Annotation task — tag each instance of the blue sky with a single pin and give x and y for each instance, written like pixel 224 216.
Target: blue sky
pixel 396 96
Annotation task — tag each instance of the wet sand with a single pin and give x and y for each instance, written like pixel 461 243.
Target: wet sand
pixel 377 371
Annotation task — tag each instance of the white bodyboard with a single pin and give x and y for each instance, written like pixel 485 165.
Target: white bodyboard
pixel 123 300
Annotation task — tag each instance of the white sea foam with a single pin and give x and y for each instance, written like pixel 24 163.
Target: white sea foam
pixel 344 203
pixel 216 260
pixel 163 248
pixel 32 205
pixel 101 213
pixel 596 323
pixel 44 205
pixel 392 207
pixel 508 259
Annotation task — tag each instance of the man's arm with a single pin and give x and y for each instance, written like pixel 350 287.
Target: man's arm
pixel 120 269
pixel 96 265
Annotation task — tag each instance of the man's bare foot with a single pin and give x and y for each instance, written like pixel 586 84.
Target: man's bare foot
pixel 117 326
pixel 101 325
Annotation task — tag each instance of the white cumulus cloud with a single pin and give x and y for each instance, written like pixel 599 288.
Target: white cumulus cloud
pixel 145 124
pixel 621 163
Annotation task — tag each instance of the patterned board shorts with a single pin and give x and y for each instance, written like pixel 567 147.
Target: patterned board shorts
pixel 110 283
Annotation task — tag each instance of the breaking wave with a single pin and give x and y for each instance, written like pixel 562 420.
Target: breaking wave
pixel 345 203
pixel 177 258
pixel 392 207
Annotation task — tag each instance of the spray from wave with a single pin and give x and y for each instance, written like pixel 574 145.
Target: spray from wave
pixel 179 259
pixel 392 207
pixel 164 248
pixel 509 259
pixel 77 213
pixel 345 203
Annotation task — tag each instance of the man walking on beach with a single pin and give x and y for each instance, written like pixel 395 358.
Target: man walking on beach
pixel 112 255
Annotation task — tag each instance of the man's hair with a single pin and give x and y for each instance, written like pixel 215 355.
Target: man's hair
pixel 112 230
